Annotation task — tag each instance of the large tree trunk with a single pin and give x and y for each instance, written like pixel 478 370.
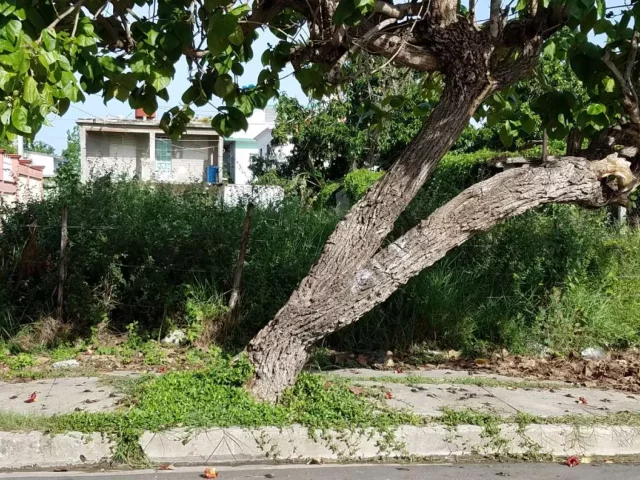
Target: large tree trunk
pixel 477 209
pixel 280 350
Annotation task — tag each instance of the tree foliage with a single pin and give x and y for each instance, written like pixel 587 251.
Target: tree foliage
pixel 40 147
pixel 54 53
pixel 364 125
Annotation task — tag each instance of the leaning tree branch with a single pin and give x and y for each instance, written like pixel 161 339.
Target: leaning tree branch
pixel 571 180
pixel 494 18
pixel 629 96
pixel 631 62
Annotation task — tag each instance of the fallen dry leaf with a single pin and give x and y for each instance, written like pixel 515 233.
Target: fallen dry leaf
pixel 583 400
pixel 356 390
pixel 165 466
pixel 210 473
pixel 481 361
pixel 572 461
pixel 32 398
pixel 388 395
pixel 362 360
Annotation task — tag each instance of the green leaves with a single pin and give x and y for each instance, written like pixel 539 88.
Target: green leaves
pixel 30 91
pixel 231 121
pixel 11 30
pixel 223 30
pixel 224 87
pixel 596 108
pixel 160 79
pixel 350 12
pixel 20 119
pixel 49 40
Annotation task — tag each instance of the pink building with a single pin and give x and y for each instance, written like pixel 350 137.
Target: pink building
pixel 20 180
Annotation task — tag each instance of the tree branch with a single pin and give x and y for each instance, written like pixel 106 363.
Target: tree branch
pixel 334 74
pixel 629 97
pixel 494 18
pixel 64 14
pixel 397 11
pixel 479 208
pixel 632 58
pixel 403 52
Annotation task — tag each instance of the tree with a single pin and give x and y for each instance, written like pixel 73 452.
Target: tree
pixel 40 147
pixel 366 124
pixel 129 54
pixel 68 174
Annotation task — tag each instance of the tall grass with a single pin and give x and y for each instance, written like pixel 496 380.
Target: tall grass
pixel 559 277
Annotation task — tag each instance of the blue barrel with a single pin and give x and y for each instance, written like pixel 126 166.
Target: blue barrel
pixel 212 174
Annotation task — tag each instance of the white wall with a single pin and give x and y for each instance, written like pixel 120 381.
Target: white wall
pixel 280 153
pixel 261 195
pixel 244 152
pixel 49 162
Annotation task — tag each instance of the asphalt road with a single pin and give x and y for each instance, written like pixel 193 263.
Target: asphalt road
pixel 520 471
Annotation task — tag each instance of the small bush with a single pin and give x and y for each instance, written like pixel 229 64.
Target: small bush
pixel 356 183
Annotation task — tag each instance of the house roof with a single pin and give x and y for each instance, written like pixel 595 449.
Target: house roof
pixel 132 122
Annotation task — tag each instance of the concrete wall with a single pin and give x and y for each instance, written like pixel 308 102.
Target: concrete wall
pixel 115 153
pixel 261 195
pixel 191 155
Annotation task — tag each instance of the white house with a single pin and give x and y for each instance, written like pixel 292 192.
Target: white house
pixel 50 163
pixel 278 153
pixel 139 148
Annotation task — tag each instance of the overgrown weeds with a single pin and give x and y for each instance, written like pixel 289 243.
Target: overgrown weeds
pixel 558 279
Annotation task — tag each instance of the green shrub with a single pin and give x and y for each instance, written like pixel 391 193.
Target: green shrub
pixel 356 183
pixel 134 249
pixel 324 196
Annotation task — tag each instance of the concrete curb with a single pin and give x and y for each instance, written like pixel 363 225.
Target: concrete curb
pixel 295 444
pixel 37 449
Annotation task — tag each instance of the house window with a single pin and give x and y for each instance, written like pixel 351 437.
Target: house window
pixel 163 156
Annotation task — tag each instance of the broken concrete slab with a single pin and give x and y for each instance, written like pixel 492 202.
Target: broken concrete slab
pixel 562 402
pixel 436 374
pixel 430 400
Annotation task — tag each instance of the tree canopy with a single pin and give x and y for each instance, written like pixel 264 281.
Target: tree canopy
pixel 53 53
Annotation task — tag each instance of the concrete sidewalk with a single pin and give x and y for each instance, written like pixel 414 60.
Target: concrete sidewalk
pixel 426 393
